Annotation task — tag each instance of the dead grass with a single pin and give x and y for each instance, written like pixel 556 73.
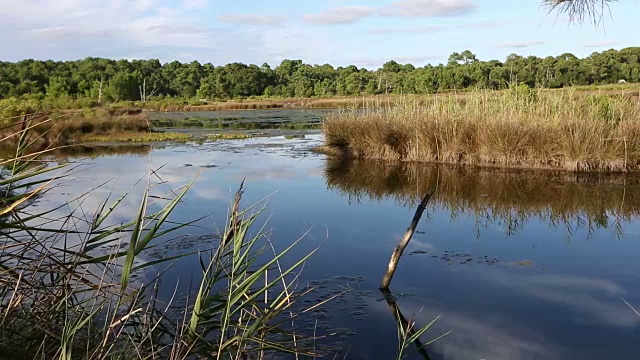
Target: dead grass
pixel 85 125
pixel 518 128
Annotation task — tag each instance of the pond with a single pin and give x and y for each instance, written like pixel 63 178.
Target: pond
pixel 263 122
pixel 518 264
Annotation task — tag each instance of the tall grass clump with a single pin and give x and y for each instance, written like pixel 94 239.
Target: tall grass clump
pixel 74 280
pixel 521 127
pixel 87 125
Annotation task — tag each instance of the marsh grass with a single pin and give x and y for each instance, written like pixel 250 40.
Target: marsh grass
pixel 518 128
pixel 229 136
pixel 134 137
pixel 70 127
pixel 73 281
pixel 251 104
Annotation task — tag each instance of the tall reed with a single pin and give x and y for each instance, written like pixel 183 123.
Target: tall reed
pixel 71 284
pixel 521 127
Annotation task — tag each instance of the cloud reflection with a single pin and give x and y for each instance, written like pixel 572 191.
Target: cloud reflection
pixel 592 300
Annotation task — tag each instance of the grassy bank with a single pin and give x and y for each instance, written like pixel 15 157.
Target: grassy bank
pixel 31 103
pixel 97 125
pixel 518 128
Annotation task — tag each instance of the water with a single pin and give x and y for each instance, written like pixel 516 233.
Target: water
pixel 520 265
pixel 264 122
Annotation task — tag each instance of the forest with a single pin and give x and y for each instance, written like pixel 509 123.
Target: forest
pixel 104 80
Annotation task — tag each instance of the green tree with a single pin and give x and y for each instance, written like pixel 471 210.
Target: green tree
pixel 124 86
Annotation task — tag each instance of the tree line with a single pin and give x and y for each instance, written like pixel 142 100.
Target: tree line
pixel 105 80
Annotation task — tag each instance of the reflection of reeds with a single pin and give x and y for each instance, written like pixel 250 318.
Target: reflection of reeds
pixel 595 200
pixel 88 151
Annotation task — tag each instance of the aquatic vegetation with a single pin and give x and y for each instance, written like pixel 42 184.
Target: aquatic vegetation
pixel 135 137
pixel 229 136
pixel 522 127
pixel 236 124
pixel 74 285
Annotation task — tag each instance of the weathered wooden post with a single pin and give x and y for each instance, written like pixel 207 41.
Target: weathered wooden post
pixel 397 253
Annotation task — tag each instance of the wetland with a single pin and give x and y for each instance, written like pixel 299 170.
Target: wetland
pixel 518 264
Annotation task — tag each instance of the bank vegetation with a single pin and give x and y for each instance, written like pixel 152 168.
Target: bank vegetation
pixel 521 127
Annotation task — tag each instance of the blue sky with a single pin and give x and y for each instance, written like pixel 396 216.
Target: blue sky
pixel 339 32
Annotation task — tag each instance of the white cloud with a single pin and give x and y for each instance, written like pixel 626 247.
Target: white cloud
pixel 601 44
pixel 72 29
pixel 520 44
pixel 374 63
pixel 427 8
pixel 194 4
pixel 143 4
pixel 434 28
pixel 411 30
pixel 253 19
pixel 405 8
pixel 342 15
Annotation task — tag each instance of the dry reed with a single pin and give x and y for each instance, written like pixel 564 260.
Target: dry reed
pixel 69 127
pixel 518 128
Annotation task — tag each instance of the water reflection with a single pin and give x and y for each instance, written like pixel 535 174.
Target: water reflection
pixel 495 196
pixel 88 151
pixel 523 294
pixel 405 327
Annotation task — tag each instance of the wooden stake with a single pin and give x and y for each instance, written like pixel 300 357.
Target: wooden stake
pixel 397 253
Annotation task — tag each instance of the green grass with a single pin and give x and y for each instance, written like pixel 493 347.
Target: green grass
pixel 518 128
pixel 135 137
pixel 229 136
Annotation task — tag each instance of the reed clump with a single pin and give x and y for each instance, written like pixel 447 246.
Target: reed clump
pixel 521 127
pixel 70 127
pixel 78 279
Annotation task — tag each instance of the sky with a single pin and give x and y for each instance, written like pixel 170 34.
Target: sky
pixel 338 32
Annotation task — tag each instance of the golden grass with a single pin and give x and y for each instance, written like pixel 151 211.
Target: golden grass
pixel 518 128
pixel 510 196
pixel 86 125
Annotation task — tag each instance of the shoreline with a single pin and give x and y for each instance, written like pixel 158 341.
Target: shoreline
pixel 346 154
pixel 629 91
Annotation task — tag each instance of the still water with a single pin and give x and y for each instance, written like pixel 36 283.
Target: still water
pixel 520 265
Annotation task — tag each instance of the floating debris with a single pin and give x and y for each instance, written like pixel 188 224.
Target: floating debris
pixel 523 263
pixel 418 252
